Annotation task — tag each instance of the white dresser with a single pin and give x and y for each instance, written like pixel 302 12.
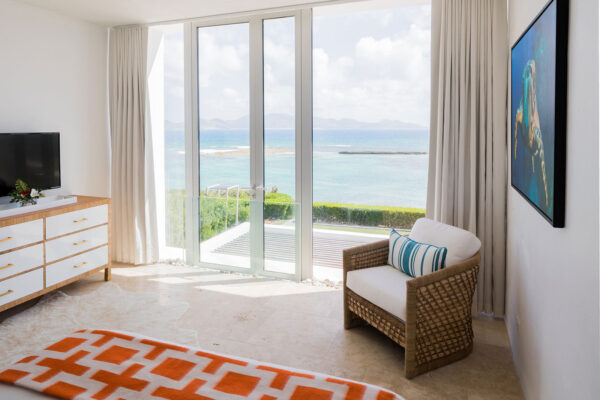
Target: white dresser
pixel 44 250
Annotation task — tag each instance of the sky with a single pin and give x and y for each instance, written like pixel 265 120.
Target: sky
pixel 368 65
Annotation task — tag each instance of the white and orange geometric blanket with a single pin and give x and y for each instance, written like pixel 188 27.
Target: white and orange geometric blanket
pixel 98 364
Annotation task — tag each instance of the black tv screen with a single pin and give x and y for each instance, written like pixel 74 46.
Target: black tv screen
pixel 32 157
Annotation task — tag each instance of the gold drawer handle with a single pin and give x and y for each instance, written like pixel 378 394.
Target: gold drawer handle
pixel 7 293
pixel 7 266
pixel 7 239
pixel 80 220
pixel 80 243
pixel 83 264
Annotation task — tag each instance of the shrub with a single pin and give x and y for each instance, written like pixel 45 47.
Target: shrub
pixel 278 206
pixel 382 216
pixel 175 218
pixel 214 211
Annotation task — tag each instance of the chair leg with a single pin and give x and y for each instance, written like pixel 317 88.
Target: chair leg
pixel 351 320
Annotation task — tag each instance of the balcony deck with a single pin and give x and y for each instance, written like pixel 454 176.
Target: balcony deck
pixel 233 246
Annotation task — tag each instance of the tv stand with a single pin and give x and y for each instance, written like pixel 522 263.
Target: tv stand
pixel 46 249
pixel 7 209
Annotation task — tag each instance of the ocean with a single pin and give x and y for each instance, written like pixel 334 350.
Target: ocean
pixel 370 179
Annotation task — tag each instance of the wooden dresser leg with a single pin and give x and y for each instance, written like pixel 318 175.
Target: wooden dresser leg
pixel 107 275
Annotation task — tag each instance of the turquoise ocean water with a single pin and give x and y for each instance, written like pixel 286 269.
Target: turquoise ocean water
pixel 374 179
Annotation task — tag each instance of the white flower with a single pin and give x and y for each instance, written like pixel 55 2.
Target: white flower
pixel 34 193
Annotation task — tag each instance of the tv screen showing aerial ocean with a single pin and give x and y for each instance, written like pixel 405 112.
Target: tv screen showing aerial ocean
pixel 368 167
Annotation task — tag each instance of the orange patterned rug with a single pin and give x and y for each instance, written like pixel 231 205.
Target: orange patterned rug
pixel 98 364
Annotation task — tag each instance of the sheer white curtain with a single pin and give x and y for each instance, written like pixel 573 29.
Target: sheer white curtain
pixel 467 165
pixel 134 233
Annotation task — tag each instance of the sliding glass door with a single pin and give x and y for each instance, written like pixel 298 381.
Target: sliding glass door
pixel 224 144
pixel 255 155
pixel 244 206
pixel 280 212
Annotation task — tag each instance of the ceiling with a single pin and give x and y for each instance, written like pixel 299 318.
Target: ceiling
pixel 129 12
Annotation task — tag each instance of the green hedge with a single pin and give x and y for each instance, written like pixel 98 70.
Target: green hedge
pixel 175 218
pixel 382 216
pixel 278 206
pixel 215 211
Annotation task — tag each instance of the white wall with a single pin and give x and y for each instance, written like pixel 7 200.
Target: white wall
pixel 53 78
pixel 552 274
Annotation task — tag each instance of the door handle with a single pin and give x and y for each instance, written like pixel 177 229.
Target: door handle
pixel 6 239
pixel 7 293
pixel 80 243
pixel 7 266
pixel 255 189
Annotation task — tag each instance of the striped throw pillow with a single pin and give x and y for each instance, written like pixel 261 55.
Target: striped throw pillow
pixel 415 258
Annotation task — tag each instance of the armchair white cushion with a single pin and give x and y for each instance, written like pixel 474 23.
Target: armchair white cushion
pixel 461 244
pixel 384 286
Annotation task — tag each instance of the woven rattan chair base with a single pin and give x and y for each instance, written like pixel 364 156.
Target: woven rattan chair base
pixel 385 322
pixel 438 327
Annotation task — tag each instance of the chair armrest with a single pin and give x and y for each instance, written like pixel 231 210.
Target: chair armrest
pixel 366 256
pixel 449 290
pixel 438 314
pixel 443 275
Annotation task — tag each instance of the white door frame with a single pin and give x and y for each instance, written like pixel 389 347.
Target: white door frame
pixel 304 141
pixel 303 151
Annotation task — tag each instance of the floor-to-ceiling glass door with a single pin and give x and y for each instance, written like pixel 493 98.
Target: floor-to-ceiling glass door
pixel 224 137
pixel 245 210
pixel 280 211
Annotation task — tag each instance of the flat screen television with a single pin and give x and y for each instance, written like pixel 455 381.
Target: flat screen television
pixel 32 157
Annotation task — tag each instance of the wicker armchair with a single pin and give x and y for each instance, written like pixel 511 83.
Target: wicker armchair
pixel 438 327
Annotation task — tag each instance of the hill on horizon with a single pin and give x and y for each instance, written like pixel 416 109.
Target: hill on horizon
pixel 284 121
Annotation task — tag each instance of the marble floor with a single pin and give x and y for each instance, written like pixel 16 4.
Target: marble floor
pixel 300 325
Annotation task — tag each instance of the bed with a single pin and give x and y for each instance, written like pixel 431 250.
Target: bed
pixel 112 365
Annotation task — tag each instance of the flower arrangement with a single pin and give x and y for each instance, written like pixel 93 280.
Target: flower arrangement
pixel 25 195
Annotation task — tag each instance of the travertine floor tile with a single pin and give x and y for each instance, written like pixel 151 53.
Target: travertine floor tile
pixel 300 326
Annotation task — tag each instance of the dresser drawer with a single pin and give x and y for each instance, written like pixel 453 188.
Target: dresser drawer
pixel 18 261
pixel 72 244
pixel 18 235
pixel 74 266
pixel 20 286
pixel 76 220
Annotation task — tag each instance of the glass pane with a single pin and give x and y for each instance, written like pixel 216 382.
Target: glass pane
pixel 224 139
pixel 370 128
pixel 279 145
pixel 174 137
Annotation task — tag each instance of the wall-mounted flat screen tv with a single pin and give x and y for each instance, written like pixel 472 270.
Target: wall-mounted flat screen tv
pixel 32 157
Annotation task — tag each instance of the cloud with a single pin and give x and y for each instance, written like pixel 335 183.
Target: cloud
pixel 370 66
pixel 220 60
pixel 383 78
pixel 403 57
pixel 223 72
pixel 174 89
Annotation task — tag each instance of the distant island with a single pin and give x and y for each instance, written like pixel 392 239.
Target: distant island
pixel 284 122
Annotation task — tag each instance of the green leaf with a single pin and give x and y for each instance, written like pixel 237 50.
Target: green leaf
pixel 20 186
